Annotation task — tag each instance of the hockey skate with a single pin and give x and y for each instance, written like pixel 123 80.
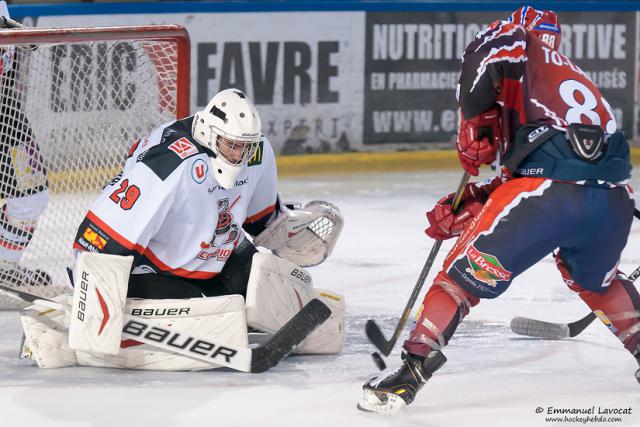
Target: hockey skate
pixel 391 391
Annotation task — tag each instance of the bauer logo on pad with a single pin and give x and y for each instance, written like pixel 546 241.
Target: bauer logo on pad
pixel 183 148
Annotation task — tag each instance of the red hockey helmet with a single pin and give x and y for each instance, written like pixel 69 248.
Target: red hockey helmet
pixel 543 23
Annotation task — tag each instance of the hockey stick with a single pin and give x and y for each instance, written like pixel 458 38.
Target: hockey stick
pixel 254 360
pixel 556 331
pixel 374 333
pixel 549 330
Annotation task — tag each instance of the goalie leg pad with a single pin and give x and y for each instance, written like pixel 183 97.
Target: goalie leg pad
pixel 46 335
pixel 329 337
pixel 278 289
pixel 99 295
pixel 221 319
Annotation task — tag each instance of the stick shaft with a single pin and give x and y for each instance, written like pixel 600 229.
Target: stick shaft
pixel 388 345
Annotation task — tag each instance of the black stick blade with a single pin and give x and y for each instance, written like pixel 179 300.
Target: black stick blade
pixel 290 335
pixel 377 338
pixel 378 360
pixel 579 325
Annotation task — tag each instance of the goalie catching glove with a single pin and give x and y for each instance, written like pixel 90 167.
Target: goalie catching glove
pixel 305 236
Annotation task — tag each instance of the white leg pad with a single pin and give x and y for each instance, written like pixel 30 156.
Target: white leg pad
pixel 47 337
pixel 222 319
pixel 278 289
pixel 329 337
pixel 99 295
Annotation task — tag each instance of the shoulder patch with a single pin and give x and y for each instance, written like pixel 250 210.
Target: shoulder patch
pixel 257 157
pixel 175 147
pixel 183 148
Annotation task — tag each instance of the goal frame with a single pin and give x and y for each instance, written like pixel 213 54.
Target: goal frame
pixel 175 33
pixel 177 36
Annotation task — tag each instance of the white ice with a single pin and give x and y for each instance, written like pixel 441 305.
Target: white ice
pixel 492 377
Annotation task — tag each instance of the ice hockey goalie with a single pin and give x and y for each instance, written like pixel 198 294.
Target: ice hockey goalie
pixel 192 239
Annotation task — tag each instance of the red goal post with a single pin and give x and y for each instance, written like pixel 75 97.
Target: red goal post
pixel 176 34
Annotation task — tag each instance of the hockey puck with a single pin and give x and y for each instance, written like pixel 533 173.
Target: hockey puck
pixel 378 360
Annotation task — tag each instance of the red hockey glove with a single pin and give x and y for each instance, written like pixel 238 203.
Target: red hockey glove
pixel 478 140
pixel 444 224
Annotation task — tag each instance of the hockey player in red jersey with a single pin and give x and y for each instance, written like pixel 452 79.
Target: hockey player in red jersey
pixel 531 110
pixel 172 228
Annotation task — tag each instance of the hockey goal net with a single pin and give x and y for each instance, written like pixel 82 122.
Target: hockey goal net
pixel 73 101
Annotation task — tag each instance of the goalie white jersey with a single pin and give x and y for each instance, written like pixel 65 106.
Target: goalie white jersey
pixel 168 211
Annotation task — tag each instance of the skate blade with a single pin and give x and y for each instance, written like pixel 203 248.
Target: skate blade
pixel 370 402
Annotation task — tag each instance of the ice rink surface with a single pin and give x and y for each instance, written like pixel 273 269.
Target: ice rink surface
pixel 492 378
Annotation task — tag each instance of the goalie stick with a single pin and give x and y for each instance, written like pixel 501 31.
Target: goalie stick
pixel 556 331
pixel 254 360
pixel 372 329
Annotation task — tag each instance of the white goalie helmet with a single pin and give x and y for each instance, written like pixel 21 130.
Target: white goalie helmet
pixel 230 127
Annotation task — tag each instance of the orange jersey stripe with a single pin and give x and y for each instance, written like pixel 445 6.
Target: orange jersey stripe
pixel 493 208
pixel 261 214
pixel 114 234
pixel 177 271
pixel 145 252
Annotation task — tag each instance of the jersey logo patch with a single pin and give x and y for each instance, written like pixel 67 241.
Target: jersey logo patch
pixel 257 157
pixel 486 267
pixel 227 232
pixel 94 239
pixel 199 171
pixel 183 148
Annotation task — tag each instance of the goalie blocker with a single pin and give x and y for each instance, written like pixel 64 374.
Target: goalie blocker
pixel 181 334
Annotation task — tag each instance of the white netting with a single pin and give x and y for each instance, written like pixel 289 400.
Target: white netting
pixel 69 114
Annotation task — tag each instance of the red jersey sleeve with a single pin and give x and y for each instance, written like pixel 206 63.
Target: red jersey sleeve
pixel 497 56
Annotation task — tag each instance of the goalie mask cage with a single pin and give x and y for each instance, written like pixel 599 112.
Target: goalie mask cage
pixel 73 102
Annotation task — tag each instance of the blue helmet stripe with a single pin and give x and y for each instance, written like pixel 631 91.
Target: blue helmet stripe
pixel 524 14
